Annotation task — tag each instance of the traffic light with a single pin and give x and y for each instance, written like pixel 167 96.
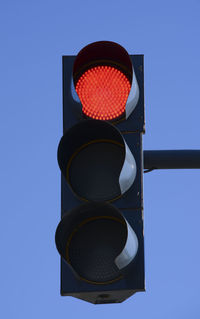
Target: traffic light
pixel 100 235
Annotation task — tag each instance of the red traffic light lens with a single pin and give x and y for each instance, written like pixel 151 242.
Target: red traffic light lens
pixel 103 92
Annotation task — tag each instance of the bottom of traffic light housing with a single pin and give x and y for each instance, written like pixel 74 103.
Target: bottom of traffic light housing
pixel 104 297
pixel 102 253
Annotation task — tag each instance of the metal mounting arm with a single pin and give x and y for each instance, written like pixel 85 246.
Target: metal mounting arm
pixel 171 159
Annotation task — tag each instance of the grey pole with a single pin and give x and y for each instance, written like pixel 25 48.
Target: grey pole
pixel 171 159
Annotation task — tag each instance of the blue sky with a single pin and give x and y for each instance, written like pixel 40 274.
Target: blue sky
pixel 34 36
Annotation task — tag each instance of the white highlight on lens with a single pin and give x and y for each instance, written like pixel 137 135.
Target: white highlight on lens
pixel 128 172
pixel 133 95
pixel 130 250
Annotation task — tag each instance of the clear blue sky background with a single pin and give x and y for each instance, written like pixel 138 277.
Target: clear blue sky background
pixel 34 36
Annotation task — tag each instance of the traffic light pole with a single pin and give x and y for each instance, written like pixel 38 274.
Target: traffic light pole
pixel 171 159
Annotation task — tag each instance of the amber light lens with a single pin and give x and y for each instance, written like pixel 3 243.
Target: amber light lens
pixel 103 92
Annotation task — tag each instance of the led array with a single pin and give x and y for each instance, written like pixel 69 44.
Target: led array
pixel 103 92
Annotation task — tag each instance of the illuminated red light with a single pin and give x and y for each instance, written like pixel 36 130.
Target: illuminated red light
pixel 103 92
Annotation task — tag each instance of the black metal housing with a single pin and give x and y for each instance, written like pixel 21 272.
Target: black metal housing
pixel 130 204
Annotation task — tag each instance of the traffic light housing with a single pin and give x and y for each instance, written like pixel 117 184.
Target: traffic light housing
pixel 100 236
